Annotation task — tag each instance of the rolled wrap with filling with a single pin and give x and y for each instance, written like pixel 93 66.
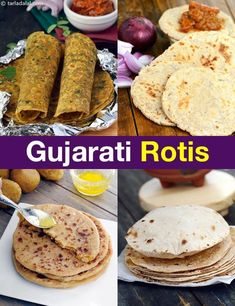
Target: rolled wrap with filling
pixel 77 77
pixel 42 57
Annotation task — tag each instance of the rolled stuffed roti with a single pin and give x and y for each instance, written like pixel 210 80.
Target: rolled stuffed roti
pixel 77 77
pixel 42 59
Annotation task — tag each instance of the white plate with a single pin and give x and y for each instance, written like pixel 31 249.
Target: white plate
pixel 101 292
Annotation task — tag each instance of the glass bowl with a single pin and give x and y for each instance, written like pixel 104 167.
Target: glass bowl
pixel 92 182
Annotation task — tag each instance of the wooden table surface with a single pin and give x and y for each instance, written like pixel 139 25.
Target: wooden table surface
pixel 131 121
pixel 63 192
pixel 139 294
pixel 16 24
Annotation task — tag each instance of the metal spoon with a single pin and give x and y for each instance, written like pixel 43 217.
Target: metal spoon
pixel 36 217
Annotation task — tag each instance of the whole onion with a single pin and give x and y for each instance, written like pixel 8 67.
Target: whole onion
pixel 138 31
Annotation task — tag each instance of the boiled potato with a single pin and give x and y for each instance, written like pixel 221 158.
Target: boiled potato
pixel 11 190
pixel 28 179
pixel 4 173
pixel 51 174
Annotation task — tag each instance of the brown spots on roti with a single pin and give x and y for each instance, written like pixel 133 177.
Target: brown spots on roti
pixel 184 103
pixel 149 240
pixel 223 49
pixel 183 84
pixel 151 92
pixel 208 61
pixel 132 233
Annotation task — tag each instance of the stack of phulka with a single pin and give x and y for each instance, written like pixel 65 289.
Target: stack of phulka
pixel 180 245
pixel 191 85
pixel 75 251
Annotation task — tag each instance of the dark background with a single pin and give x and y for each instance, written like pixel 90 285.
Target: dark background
pixel 15 24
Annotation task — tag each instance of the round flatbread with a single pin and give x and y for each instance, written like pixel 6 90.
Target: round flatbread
pixel 201 101
pixel 224 263
pixel 148 87
pixel 208 49
pixel 180 231
pixel 37 252
pixel 169 22
pixel 221 271
pixel 101 259
pixel 42 280
pixel 74 231
pixel 225 266
pixel 86 274
pixel 198 261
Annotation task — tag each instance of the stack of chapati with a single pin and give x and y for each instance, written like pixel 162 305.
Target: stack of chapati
pixel 75 251
pixel 181 245
pixel 191 85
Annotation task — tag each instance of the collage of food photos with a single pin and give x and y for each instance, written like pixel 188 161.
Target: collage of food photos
pixel 114 70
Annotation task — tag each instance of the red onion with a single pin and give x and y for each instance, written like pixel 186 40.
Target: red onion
pixel 139 31
pixel 123 70
pixel 129 63
pixel 145 59
pixel 137 55
pixel 123 47
pixel 124 81
pixel 132 63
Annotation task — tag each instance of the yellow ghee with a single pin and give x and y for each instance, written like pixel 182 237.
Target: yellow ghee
pixel 47 222
pixel 91 182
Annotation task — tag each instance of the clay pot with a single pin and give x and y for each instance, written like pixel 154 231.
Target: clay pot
pixel 172 176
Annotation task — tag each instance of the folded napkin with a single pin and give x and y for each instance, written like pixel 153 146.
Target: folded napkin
pixel 106 35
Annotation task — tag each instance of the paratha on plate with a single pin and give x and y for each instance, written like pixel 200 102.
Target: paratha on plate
pixel 44 281
pixel 37 252
pixel 102 257
pixel 73 231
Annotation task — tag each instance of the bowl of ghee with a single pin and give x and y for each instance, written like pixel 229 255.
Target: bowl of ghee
pixel 91 182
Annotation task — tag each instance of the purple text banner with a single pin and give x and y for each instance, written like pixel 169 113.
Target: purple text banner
pixel 117 152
